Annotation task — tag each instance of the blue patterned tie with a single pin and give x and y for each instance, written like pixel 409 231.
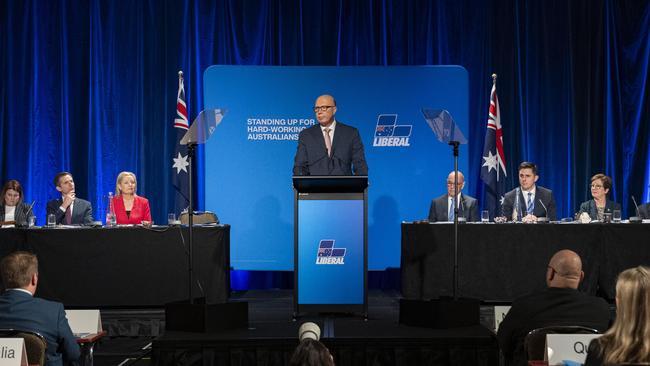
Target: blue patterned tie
pixel 529 207
pixel 451 210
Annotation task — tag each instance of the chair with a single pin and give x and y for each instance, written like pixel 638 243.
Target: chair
pixel 35 344
pixel 205 217
pixel 535 341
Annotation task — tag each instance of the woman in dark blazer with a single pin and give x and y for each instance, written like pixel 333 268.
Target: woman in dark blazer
pixel 12 209
pixel 599 205
pixel 129 207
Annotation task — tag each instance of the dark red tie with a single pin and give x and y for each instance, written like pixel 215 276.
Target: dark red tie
pixel 68 215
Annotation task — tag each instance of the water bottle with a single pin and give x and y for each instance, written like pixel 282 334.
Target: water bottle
pixel 110 215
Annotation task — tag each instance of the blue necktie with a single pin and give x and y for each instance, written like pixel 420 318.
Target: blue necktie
pixel 530 206
pixel 451 210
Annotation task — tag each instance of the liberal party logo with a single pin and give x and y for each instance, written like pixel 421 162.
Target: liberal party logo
pixel 327 254
pixel 389 133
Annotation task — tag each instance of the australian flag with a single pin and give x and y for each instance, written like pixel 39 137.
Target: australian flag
pixel 180 179
pixel 493 166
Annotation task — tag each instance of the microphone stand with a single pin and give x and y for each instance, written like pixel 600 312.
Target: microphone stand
pixel 455 274
pixel 190 214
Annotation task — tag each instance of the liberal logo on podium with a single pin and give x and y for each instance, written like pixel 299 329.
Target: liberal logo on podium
pixel 327 254
pixel 389 133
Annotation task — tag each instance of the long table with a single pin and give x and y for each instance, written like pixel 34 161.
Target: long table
pixel 124 267
pixel 500 262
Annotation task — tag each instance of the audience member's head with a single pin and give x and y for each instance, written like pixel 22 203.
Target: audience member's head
pixel 628 340
pixel 309 330
pixel 20 270
pixel 311 352
pixel 564 270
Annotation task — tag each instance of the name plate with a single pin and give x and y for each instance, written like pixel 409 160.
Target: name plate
pixel 500 314
pixel 84 322
pixel 572 347
pixel 13 352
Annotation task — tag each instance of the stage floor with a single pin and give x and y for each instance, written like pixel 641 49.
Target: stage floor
pixel 272 336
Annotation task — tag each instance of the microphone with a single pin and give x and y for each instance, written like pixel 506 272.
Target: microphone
pixel 29 210
pixel 545 218
pixel 636 218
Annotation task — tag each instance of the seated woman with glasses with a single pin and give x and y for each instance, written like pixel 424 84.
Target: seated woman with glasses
pixel 597 207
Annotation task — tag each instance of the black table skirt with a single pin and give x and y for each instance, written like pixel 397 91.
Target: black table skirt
pixel 500 262
pixel 124 267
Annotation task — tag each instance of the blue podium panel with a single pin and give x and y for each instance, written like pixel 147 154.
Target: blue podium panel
pixel 330 251
pixel 249 159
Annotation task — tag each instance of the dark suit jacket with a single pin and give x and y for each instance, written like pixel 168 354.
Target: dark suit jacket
pixel 347 152
pixel 19 310
pixel 551 306
pixel 644 211
pixel 82 211
pixel 590 208
pixel 20 215
pixel 439 210
pixel 541 193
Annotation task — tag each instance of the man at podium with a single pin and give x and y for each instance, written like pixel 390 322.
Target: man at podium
pixel 331 147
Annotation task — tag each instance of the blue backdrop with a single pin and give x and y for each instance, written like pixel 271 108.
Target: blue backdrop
pixel 90 86
pixel 249 159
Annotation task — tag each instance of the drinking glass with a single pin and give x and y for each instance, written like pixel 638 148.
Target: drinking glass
pixel 485 216
pixel 171 219
pixel 51 220
pixel 617 216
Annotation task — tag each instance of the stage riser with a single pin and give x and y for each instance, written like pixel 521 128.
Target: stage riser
pixel 398 352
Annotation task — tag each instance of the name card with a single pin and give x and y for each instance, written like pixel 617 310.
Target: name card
pixel 500 314
pixel 571 347
pixel 84 322
pixel 13 352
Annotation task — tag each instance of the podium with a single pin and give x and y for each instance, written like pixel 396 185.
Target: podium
pixel 330 244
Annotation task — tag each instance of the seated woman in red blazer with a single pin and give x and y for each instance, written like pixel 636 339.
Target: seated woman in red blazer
pixel 129 207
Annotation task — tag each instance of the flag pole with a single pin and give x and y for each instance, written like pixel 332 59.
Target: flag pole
pixel 190 209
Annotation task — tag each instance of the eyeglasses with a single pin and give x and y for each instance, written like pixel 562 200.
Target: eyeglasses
pixel 452 183
pixel 322 108
pixel 596 186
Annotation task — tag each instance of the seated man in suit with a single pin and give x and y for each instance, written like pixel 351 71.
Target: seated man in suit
pixel 534 201
pixel 69 210
pixel 330 147
pixel 442 208
pixel 19 309
pixel 559 304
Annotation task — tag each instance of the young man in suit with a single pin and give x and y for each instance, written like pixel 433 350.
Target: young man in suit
pixel 330 147
pixel 442 208
pixel 20 310
pixel 69 210
pixel 534 201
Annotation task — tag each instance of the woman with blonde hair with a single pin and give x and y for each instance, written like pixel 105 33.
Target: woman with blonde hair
pixel 628 340
pixel 129 207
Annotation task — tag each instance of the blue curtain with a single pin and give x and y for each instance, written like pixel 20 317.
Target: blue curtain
pixel 90 86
